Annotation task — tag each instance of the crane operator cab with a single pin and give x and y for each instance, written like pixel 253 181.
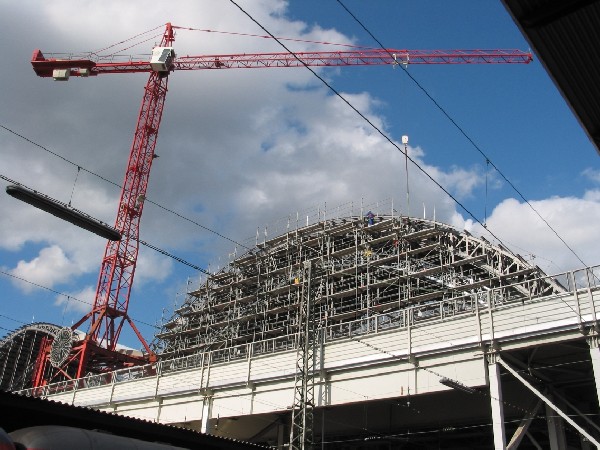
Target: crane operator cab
pixel 162 59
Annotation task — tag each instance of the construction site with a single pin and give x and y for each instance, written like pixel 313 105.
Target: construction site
pixel 371 329
pixel 348 276
pixel 357 332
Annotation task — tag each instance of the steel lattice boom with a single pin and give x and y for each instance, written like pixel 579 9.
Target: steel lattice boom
pixel 86 66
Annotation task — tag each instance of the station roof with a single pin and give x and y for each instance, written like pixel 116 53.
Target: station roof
pixel 565 36
pixel 21 411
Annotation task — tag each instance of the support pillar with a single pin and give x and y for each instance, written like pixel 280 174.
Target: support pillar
pixel 206 414
pixel 556 429
pixel 281 434
pixel 159 403
pixel 496 402
pixel 592 341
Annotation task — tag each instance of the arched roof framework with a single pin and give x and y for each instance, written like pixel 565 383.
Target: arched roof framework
pixel 18 352
pixel 362 267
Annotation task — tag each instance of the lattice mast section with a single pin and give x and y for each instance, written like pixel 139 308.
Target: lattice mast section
pixel 302 426
pixel 97 352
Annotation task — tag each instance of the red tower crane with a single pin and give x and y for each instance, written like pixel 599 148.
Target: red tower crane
pixel 68 356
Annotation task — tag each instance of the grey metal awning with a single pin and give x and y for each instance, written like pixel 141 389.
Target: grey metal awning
pixel 565 35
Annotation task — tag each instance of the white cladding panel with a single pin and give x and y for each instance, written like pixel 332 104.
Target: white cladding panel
pixel 133 389
pixel 232 402
pixel 273 396
pixel 93 396
pixel 445 334
pixel 176 382
pixel 367 385
pixel 274 365
pixel 142 411
pixel 183 410
pixel 232 372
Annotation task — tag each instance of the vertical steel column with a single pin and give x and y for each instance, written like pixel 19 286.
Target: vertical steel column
pixel 592 341
pixel 496 402
pixel 556 429
pixel 207 403
pixel 281 436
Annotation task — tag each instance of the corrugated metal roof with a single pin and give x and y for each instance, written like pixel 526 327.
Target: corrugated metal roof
pixel 565 35
pixel 21 412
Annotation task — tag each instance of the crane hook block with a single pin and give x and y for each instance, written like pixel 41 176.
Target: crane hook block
pixel 162 59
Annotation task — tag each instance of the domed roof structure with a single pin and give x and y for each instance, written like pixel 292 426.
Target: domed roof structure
pixel 18 351
pixel 352 269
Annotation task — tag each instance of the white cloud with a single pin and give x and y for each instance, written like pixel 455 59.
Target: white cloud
pixel 592 175
pixel 592 195
pixel 79 301
pixel 152 267
pixel 460 181
pixel 573 219
pixel 51 266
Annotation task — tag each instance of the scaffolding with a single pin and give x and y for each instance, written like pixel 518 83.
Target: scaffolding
pixel 362 267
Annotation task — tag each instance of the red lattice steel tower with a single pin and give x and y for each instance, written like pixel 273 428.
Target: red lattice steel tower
pixel 97 352
pixel 69 357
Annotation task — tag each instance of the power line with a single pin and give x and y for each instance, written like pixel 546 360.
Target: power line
pixel 59 156
pixel 176 258
pixel 375 127
pixel 164 252
pixel 307 41
pixel 216 233
pixel 62 294
pixel 13 319
pixel 79 167
pixel 130 39
pixel 469 139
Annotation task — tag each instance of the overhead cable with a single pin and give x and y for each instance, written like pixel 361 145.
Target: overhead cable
pixel 62 294
pixel 366 119
pixel 79 167
pixel 471 141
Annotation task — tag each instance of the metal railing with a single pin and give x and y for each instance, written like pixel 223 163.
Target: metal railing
pixel 587 279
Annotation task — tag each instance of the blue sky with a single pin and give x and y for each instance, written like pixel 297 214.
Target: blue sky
pixel 242 151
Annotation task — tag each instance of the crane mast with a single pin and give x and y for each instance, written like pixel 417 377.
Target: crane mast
pixel 67 356
pixel 120 257
pixel 97 352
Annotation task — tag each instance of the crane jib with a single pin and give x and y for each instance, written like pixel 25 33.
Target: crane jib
pixel 163 60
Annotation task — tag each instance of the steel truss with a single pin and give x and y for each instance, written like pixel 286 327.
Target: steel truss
pixel 365 271
pixel 18 353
